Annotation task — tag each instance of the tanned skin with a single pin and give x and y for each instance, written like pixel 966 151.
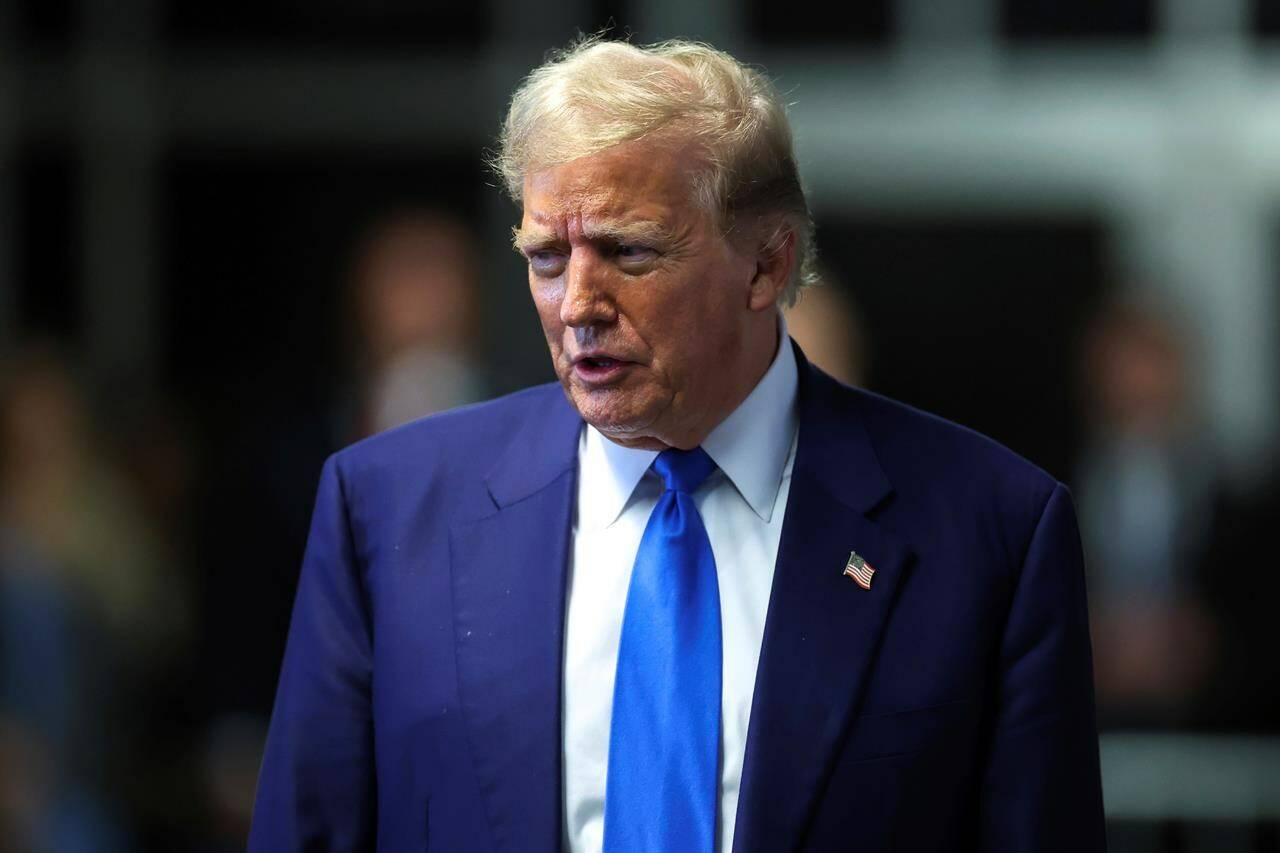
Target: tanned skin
pixel 658 324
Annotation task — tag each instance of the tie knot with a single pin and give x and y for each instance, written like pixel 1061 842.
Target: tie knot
pixel 683 470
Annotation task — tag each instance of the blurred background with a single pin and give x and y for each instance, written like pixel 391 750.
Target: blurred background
pixel 235 237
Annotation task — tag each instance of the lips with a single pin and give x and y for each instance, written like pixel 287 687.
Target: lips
pixel 598 368
pixel 599 363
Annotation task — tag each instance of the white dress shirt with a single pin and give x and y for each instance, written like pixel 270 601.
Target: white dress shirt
pixel 742 505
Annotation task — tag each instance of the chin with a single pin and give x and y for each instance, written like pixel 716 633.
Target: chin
pixel 616 413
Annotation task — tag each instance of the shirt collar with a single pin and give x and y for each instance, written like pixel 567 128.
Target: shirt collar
pixel 750 446
pixel 610 473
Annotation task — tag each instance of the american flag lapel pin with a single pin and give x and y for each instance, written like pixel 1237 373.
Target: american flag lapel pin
pixel 860 570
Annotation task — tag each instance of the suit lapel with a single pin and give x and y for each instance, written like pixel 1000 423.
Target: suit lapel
pixel 822 630
pixel 508 568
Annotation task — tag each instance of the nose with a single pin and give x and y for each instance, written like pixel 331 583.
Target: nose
pixel 587 299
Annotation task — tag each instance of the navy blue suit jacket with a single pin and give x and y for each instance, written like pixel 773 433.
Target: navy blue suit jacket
pixel 948 708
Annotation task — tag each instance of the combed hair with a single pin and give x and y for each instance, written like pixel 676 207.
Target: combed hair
pixel 595 94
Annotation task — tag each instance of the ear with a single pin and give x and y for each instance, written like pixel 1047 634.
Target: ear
pixel 775 259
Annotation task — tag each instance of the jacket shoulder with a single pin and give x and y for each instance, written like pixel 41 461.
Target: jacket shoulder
pixel 908 438
pixel 949 475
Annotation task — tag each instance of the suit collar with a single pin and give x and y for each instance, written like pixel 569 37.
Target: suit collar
pixel 822 632
pixel 751 446
pixel 835 448
pixel 542 448
pixel 508 554
pixel 508 570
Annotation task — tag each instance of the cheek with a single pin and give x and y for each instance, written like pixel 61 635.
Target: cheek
pixel 706 334
pixel 547 296
pixel 676 345
pixel 699 318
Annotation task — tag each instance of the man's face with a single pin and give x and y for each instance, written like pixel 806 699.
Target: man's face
pixel 646 307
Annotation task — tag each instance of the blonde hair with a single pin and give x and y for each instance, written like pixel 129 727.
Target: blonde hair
pixel 595 94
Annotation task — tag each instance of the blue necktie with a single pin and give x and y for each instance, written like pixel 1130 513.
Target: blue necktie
pixel 664 738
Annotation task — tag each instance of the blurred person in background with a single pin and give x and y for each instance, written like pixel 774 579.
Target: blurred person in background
pixel 88 610
pixel 61 495
pixel 1149 497
pixel 43 809
pixel 409 321
pixel 415 283
pixel 827 325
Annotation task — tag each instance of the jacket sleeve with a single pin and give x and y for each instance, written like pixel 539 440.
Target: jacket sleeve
pixel 316 787
pixel 1041 787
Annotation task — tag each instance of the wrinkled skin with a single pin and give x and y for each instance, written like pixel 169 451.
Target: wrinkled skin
pixel 624 265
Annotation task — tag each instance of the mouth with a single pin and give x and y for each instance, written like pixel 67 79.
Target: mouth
pixel 600 369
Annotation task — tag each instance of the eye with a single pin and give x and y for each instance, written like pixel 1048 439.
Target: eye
pixel 634 254
pixel 546 263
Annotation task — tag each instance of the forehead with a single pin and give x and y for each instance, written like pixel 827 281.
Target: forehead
pixel 640 180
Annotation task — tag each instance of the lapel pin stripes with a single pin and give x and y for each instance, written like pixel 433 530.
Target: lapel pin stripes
pixel 860 570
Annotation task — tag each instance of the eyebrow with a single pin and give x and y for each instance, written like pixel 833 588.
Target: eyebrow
pixel 527 240
pixel 613 231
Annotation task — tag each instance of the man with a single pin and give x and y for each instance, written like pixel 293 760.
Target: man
pixel 700 596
